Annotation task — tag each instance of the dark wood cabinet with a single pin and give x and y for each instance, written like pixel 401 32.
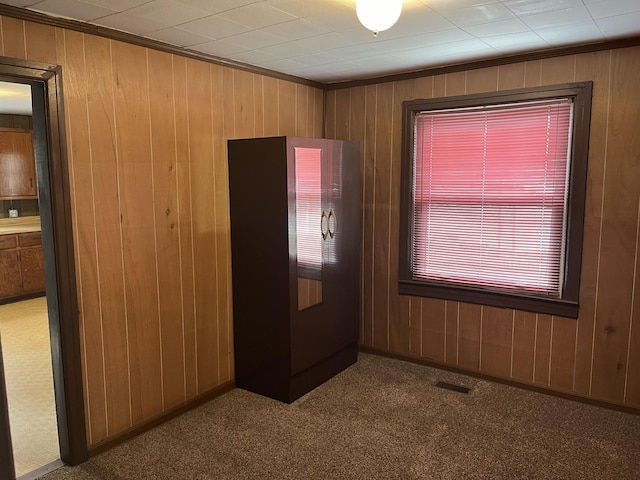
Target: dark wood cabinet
pixel 17 165
pixel 295 234
pixel 21 265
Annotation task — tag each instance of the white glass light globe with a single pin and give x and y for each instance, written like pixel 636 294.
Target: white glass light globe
pixel 378 15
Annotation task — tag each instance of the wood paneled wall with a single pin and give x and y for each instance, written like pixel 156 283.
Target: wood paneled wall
pixel 146 138
pixel 598 355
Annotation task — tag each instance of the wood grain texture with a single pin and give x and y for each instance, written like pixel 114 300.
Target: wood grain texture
pixel 85 238
pixel 542 349
pixel 558 353
pixel 594 67
pixel 497 333
pixel 167 231
pixel 619 231
pixel 146 137
pixel 382 193
pixel 434 314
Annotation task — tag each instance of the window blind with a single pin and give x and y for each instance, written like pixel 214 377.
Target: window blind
pixel 490 194
pixel 308 178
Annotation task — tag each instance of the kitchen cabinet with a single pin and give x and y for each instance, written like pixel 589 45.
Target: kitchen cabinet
pixel 21 265
pixel 295 237
pixel 17 165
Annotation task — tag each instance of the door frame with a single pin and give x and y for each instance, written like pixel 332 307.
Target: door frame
pixel 57 241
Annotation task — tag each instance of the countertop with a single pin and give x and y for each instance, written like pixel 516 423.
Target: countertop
pixel 9 226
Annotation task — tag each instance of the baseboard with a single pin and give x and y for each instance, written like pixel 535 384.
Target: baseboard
pixel 505 381
pixel 160 419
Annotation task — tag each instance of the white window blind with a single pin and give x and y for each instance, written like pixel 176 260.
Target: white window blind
pixel 490 195
pixel 308 179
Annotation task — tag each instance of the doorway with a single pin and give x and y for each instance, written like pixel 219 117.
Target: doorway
pixel 57 243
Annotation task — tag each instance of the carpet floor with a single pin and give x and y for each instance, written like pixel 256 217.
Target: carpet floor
pixel 382 419
pixel 26 349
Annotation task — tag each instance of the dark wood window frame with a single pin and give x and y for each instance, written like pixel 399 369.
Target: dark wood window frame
pixel 568 303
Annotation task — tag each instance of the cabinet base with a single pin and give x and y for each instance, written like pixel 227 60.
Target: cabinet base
pixel 289 389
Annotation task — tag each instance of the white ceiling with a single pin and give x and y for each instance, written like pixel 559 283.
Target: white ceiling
pixel 322 40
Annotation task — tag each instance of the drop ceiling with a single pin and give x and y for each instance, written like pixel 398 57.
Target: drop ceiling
pixel 322 40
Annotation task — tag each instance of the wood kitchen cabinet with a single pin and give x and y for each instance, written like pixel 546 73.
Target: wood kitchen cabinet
pixel 21 265
pixel 17 165
pixel 295 230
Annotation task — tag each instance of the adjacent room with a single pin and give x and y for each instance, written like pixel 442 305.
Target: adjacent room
pixel 289 239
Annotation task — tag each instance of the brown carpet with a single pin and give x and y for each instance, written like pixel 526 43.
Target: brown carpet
pixel 382 419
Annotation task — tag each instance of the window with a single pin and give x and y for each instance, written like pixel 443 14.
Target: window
pixel 493 191
pixel 308 185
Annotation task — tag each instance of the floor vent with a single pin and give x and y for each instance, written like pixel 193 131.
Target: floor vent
pixel 451 386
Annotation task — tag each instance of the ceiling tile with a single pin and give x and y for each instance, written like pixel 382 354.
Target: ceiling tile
pixel 72 9
pixel 254 57
pixel 446 36
pixel 257 16
pixel 611 9
pixel 288 49
pixel 530 7
pixel 214 26
pixel 444 5
pixel 178 36
pixel 216 6
pixel 167 12
pixel 568 34
pixel 255 39
pixel 221 48
pixel 354 51
pixel 619 26
pixel 117 5
pixel 490 12
pixel 21 3
pixel 315 58
pixel 307 9
pixel 296 29
pixel 557 18
pixel 465 46
pixel 519 40
pixel 503 27
pixel 128 23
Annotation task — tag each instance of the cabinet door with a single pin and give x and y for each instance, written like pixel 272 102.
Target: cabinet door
pixel 32 264
pixel 17 165
pixel 10 282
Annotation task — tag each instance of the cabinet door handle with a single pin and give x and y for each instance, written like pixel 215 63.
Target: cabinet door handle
pixel 324 225
pixel 332 213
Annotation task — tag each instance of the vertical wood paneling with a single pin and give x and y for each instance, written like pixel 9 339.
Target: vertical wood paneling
pixel 595 67
pixel 185 225
pixel 203 211
pixel 13 38
pixel 563 349
pixel 286 108
pixel 167 232
pixel 469 326
pixel 368 208
pixel 511 76
pixel 330 115
pixel 415 326
pixel 146 136
pixel 40 43
pixel 398 305
pixel 524 346
pixel 542 349
pixel 107 230
pixel 619 228
pixel 482 80
pixel 455 84
pixel 451 335
pixel 381 247
pixel 131 107
pixel 240 92
pixel 497 333
pixel 84 222
pixel 434 312
pixel 271 104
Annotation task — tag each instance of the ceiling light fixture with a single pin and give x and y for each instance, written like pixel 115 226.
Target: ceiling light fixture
pixel 378 15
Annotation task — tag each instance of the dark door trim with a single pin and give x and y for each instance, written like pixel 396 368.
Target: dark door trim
pixel 57 235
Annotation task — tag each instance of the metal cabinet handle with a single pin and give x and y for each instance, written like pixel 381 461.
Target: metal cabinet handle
pixel 332 213
pixel 324 225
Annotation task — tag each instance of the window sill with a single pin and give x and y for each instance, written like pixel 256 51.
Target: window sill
pixel 530 303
